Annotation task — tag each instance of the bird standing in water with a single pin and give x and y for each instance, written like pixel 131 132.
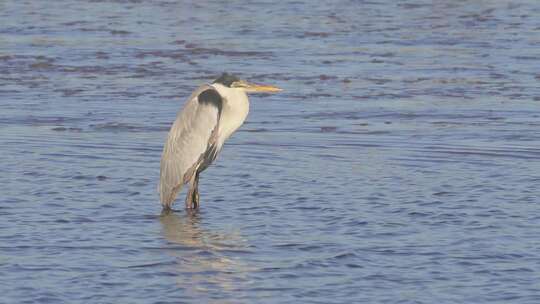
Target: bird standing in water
pixel 211 115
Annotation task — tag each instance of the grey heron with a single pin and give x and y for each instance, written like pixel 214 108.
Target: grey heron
pixel 209 117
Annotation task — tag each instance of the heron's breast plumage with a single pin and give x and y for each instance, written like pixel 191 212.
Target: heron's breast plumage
pixel 234 111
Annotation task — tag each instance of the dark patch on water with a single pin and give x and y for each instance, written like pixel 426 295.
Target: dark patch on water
pixel 315 34
pixel 125 127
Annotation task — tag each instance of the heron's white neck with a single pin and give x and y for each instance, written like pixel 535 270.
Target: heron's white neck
pixel 233 112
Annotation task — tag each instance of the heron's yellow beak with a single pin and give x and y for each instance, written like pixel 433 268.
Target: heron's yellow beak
pixel 252 87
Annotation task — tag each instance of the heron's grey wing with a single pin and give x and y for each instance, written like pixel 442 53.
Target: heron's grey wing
pixel 190 141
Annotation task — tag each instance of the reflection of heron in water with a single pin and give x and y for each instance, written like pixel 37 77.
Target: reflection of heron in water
pixel 204 262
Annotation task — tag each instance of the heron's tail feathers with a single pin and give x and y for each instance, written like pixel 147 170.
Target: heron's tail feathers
pixel 167 195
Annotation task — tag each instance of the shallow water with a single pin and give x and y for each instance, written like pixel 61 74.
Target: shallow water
pixel 400 165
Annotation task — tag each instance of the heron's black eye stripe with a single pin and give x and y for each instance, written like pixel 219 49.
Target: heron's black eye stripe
pixel 210 97
pixel 227 79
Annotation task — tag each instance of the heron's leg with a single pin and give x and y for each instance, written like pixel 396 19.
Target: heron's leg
pixel 195 198
pixel 189 196
pixel 192 198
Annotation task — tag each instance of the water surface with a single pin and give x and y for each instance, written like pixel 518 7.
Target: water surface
pixel 400 165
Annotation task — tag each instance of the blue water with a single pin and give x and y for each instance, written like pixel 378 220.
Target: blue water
pixel 400 165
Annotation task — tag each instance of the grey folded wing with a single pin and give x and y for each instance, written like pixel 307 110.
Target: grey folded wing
pixel 191 143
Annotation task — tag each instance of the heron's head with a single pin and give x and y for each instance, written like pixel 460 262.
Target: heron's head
pixel 231 81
